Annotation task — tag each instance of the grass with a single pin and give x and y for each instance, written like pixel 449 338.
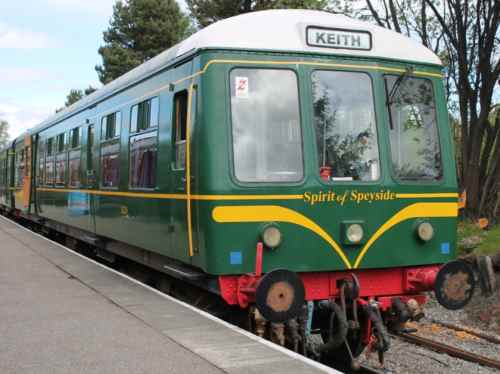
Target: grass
pixel 490 239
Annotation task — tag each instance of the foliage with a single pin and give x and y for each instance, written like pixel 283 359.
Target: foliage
pixel 490 239
pixel 77 94
pixel 206 12
pixel 464 34
pixel 4 133
pixel 138 31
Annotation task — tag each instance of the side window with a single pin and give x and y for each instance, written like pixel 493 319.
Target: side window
pixel 74 154
pixel 61 160
pixel 144 115
pixel 49 162
pixel 110 150
pixel 180 121
pixel 143 154
pixel 111 126
pixel 19 169
pixel 41 163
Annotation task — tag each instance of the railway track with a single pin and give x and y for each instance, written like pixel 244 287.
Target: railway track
pixel 469 330
pixel 450 350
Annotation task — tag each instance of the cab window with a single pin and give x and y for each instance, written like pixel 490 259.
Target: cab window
pixel 344 123
pixel 267 140
pixel 414 140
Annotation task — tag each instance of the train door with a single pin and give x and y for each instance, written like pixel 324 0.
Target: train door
pixel 89 182
pixel 182 212
pixel 27 173
pixel 22 174
pixel 11 156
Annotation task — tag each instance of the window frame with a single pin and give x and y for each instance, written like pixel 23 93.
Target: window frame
pixel 140 105
pixel 50 159
pixel 229 117
pixel 175 130
pixel 395 179
pixel 144 134
pixel 382 168
pixel 109 141
pixel 118 125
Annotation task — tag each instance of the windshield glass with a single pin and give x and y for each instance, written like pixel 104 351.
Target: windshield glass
pixel 267 141
pixel 344 122
pixel 413 132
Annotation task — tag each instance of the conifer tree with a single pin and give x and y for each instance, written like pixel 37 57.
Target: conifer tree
pixel 138 31
pixel 206 12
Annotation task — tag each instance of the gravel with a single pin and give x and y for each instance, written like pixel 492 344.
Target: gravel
pixel 482 314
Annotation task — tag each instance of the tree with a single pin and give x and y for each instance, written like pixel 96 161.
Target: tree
pixel 138 31
pixel 4 134
pixel 464 34
pixel 77 94
pixel 209 11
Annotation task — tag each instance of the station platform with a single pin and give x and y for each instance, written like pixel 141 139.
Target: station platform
pixel 63 313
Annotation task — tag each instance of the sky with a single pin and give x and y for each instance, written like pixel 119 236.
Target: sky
pixel 47 47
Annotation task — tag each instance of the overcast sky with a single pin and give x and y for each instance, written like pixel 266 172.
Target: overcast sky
pixel 47 47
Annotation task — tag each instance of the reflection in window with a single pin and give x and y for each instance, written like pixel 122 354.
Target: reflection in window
pixel 61 169
pixel 75 136
pixel 19 170
pixel 41 163
pixel 267 141
pixel 344 121
pixel 413 135
pixel 111 126
pixel 180 105
pixel 74 169
pixel 110 165
pixel 144 115
pixel 143 150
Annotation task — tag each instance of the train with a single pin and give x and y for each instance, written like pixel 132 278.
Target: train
pixel 296 164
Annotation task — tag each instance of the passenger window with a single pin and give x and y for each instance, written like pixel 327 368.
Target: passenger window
pixel 414 139
pixel 267 139
pixel 110 150
pixel 143 154
pixel 19 171
pixel 144 115
pixel 49 163
pixel 41 163
pixel 75 136
pixel 110 165
pixel 111 126
pixel 180 121
pixel 90 145
pixel 344 122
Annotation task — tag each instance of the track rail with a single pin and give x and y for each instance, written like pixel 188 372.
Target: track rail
pixel 469 330
pixel 450 350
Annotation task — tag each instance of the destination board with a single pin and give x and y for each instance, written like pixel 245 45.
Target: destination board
pixel 338 38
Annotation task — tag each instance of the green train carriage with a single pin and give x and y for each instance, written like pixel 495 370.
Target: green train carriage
pixel 278 158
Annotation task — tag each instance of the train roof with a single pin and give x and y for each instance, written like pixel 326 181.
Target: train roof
pixel 304 31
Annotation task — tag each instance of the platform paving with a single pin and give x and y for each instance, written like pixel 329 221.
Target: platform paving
pixel 61 313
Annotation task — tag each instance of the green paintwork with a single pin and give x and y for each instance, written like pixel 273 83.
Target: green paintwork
pixel 159 225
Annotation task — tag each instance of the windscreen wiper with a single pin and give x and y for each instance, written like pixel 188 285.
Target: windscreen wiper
pixel 394 90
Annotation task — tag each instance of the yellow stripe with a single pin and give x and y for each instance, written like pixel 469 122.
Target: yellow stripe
pixel 150 195
pixel 305 63
pixel 426 195
pixel 266 213
pixel 413 211
pixel 118 193
pixel 188 169
pixel 247 197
